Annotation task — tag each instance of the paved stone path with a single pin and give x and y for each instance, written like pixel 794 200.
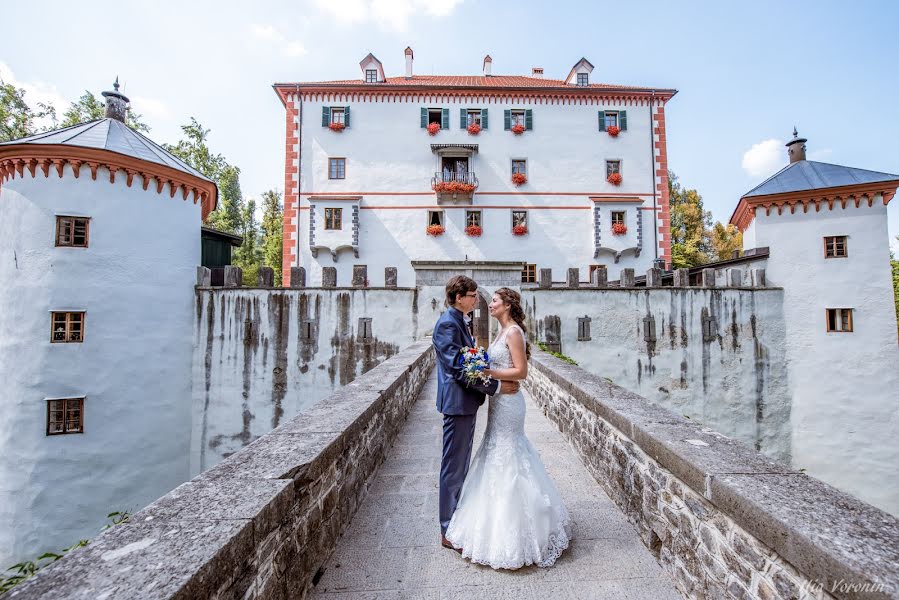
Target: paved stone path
pixel 392 549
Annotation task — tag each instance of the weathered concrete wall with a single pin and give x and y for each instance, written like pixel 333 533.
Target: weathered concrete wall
pixel 724 520
pixel 735 380
pixel 262 522
pixel 262 356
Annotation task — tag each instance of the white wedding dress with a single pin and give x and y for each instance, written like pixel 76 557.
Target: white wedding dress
pixel 509 513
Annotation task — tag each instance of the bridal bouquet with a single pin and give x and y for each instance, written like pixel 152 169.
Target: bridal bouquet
pixel 474 361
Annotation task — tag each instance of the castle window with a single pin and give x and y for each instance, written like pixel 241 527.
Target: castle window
pixel 338 114
pixel 473 218
pixel 335 114
pixel 583 329
pixel 519 218
pixel 65 415
pixel 72 231
pixel 529 274
pixel 435 115
pixel 371 76
pixel 835 246
pixel 839 320
pixel 333 218
pixel 613 166
pixel 583 79
pixel 435 217
pixel 618 217
pixel 336 168
pixel 67 327
pixel 518 117
pixel 473 117
pixel 364 328
pixel 612 118
pixel 519 165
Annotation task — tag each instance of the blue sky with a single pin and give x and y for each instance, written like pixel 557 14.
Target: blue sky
pixel 746 72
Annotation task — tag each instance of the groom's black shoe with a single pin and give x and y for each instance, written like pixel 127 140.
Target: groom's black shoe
pixel 446 544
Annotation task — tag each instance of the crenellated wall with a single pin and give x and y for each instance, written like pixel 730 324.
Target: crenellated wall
pixel 262 356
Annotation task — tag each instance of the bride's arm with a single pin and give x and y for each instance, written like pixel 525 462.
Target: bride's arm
pixel 515 341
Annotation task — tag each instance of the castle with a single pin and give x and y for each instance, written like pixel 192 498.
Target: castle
pixel 789 348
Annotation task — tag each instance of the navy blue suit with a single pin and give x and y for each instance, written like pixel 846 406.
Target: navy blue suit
pixel 458 400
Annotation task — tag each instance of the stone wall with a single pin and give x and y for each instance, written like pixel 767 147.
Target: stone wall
pixel 716 356
pixel 724 520
pixel 261 356
pixel 262 522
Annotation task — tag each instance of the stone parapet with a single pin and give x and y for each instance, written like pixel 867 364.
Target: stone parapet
pixel 261 523
pixel 725 521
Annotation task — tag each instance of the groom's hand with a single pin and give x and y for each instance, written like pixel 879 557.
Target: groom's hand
pixel 508 387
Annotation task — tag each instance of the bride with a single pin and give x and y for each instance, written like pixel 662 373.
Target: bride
pixel 509 513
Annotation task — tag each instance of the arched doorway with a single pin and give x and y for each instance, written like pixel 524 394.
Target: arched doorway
pixel 481 321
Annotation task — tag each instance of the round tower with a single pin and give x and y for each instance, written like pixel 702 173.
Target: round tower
pixel 99 243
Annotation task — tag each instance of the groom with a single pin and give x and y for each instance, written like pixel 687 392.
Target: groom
pixel 457 398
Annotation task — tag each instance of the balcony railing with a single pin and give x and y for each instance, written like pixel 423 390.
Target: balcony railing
pixel 454 185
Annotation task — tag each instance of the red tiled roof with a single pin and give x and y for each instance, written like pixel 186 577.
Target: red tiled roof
pixel 474 81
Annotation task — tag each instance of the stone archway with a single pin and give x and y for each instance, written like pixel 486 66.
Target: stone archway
pixel 481 321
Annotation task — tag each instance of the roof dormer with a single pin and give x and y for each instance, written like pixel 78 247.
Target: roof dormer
pixel 372 69
pixel 580 73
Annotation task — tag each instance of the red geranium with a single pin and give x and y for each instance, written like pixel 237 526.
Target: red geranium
pixel 519 178
pixel 336 126
pixel 518 129
pixel 614 130
pixel 453 187
pixel 619 228
pixel 472 351
pixel 474 230
pixel 474 129
pixel 520 230
pixel 435 230
pixel 614 178
pixel 433 128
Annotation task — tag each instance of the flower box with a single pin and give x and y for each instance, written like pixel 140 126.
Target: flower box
pixel 614 178
pixel 619 228
pixel 474 129
pixel 474 230
pixel 518 129
pixel 454 187
pixel 519 178
pixel 433 128
pixel 614 130
pixel 336 126
pixel 435 230
pixel 520 230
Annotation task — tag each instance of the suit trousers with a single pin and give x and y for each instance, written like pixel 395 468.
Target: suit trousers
pixel 458 437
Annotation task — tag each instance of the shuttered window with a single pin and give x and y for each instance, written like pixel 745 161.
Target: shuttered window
pixel 472 116
pixel 517 116
pixel 435 115
pixel 335 114
pixel 609 118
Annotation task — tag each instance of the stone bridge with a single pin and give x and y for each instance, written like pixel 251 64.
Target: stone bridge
pixel 341 502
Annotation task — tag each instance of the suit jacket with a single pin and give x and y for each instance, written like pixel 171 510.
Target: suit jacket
pixel 455 394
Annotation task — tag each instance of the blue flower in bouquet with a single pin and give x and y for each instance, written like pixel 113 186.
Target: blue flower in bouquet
pixel 474 362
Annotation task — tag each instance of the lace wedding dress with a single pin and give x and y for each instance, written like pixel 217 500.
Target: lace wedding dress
pixel 509 513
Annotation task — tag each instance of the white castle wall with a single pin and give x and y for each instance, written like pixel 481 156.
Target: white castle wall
pixel 390 164
pixel 737 384
pixel 253 368
pixel 845 385
pixel 136 283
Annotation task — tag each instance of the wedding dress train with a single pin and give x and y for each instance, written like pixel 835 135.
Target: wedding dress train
pixel 509 513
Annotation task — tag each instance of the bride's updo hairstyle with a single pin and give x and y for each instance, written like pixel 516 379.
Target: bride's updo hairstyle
pixel 512 299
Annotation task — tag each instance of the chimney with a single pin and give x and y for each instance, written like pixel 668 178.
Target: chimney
pixel 409 62
pixel 796 147
pixel 488 64
pixel 116 103
pixel 537 72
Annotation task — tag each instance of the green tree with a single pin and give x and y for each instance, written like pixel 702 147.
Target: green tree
pixel 90 108
pixel 272 232
pixel 249 255
pixel 725 239
pixel 194 150
pixel 17 119
pixel 690 222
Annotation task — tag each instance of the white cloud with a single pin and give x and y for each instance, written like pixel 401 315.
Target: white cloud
pixel 36 92
pixel 392 15
pixel 150 107
pixel 289 48
pixel 764 158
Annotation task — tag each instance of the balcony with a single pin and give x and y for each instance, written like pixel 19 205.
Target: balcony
pixel 454 187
